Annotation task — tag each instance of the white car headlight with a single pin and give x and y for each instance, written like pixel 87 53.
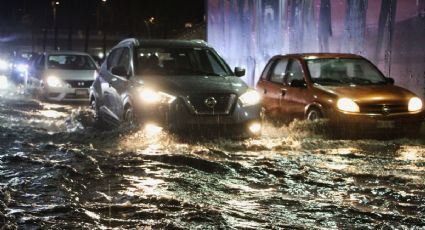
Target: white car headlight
pixel 347 105
pixel 151 97
pixel 22 68
pixel 53 81
pixel 3 82
pixel 415 104
pixel 4 65
pixel 251 97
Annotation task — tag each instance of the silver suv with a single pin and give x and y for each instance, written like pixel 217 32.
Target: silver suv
pixel 176 85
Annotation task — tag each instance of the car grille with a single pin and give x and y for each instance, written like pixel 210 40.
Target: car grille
pixel 223 103
pixel 79 84
pixel 383 109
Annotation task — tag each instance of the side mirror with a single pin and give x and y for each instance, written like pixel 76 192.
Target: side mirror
pixel 119 71
pixel 239 72
pixel 298 83
pixel 390 80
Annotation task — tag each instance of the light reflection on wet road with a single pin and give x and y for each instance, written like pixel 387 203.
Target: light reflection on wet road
pixel 57 171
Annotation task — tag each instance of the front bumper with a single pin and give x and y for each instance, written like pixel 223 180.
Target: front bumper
pixel 66 94
pixel 377 123
pixel 178 118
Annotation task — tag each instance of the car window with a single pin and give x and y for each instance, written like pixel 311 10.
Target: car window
pixel 169 61
pixel 40 62
pixel 113 58
pixel 124 60
pixel 278 71
pixel 294 72
pixel 331 71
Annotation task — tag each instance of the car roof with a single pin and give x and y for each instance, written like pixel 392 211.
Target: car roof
pixel 165 43
pixel 66 52
pixel 309 56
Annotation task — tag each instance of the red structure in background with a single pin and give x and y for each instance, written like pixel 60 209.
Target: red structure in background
pixel 389 32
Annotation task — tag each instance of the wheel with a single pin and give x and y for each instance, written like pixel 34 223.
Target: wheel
pixel 130 116
pixel 314 114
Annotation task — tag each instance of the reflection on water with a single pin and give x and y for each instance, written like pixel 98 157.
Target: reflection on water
pixel 62 172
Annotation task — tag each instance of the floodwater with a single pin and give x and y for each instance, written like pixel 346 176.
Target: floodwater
pixel 58 170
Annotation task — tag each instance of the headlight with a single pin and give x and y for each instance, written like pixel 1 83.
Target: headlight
pixel 53 81
pixel 151 97
pixel 22 67
pixel 3 82
pixel 415 104
pixel 347 105
pixel 251 97
pixel 4 65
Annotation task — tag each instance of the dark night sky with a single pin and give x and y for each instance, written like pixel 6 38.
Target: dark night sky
pixel 116 15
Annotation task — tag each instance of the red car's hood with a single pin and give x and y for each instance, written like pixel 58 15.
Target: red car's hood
pixel 370 93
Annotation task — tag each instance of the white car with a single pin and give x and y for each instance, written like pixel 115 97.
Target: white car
pixel 62 76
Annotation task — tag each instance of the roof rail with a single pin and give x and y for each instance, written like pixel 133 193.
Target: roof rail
pixel 132 40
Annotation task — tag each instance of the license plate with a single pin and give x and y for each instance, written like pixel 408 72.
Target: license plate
pixel 385 124
pixel 81 92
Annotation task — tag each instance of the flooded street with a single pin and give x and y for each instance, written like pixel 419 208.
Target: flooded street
pixel 59 171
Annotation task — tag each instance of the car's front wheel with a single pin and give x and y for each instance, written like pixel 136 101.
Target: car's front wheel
pixel 130 116
pixel 314 114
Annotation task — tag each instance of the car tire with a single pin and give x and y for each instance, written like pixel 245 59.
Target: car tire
pixel 314 114
pixel 130 116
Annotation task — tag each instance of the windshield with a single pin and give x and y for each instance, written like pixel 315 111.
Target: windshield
pixel 70 62
pixel 179 61
pixel 343 71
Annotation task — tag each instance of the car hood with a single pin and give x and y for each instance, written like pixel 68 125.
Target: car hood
pixel 371 93
pixel 185 85
pixel 79 75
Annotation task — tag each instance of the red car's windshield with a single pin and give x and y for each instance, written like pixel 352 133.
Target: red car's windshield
pixel 341 71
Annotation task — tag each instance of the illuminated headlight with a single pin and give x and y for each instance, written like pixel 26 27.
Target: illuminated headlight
pixel 22 68
pixel 53 81
pixel 415 104
pixel 347 105
pixel 3 82
pixel 3 65
pixel 255 128
pixel 251 97
pixel 152 97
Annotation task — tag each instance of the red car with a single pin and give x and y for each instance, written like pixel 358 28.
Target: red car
pixel 347 89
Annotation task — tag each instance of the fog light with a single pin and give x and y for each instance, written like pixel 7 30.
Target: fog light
pixel 152 129
pixel 255 128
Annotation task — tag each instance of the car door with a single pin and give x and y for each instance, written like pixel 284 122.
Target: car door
pixel 120 82
pixel 106 98
pixel 271 85
pixel 294 90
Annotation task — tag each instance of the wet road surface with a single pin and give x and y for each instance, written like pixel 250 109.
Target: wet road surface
pixel 59 171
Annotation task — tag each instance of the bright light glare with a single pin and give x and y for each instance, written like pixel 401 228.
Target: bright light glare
pixel 53 81
pixel 152 129
pixel 150 96
pixel 249 98
pixel 101 55
pixel 255 127
pixel 415 104
pixel 347 105
pixel 3 65
pixel 3 82
pixel 22 67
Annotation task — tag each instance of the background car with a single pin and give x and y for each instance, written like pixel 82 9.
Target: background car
pixel 347 89
pixel 63 76
pixel 177 85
